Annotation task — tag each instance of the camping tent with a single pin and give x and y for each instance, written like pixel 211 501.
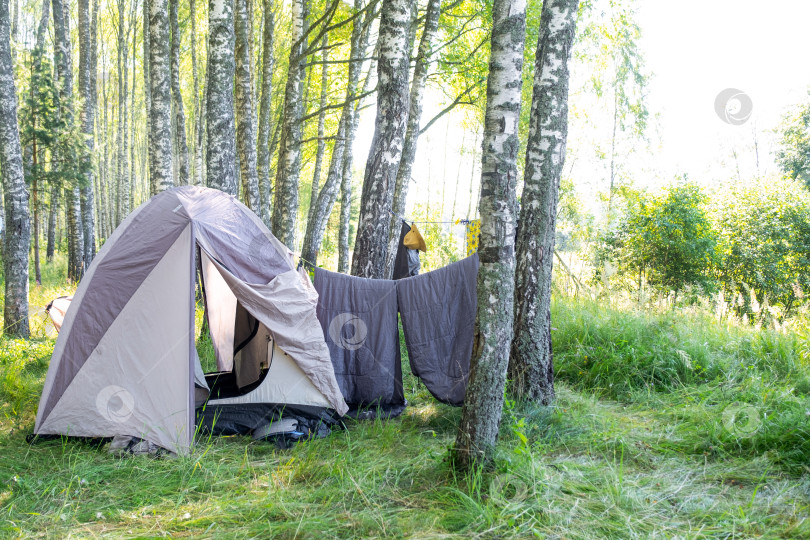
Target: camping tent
pixel 125 362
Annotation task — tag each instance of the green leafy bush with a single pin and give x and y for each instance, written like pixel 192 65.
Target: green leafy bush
pixel 665 239
pixel 764 233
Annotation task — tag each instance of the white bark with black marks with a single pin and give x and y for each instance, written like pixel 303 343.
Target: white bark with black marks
pixel 245 107
pixel 122 159
pixel 371 243
pixel 181 175
pixel 324 199
pixel 160 115
pixel 316 174
pixel 220 128
pixel 483 405
pixel 288 175
pixel 531 367
pixel 420 74
pixel 265 112
pixel 196 124
pixel 347 177
pixel 64 71
pixel 15 196
pixel 147 97
pixel 87 68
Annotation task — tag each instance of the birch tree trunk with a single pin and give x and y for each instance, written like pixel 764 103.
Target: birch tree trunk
pixel 265 112
pixel 324 200
pixel 316 174
pixel 15 196
pixel 88 119
pixel 202 125
pixel 33 151
pixel 245 107
pixel 531 366
pixel 221 151
pixel 345 218
pixel 122 159
pixel 147 96
pixel 347 177
pixel 483 403
pixel 420 73
pixel 2 219
pixel 180 142
pixel 197 175
pixel 132 174
pixel 371 244
pixel 63 64
pixel 285 202
pixel 53 209
pixel 160 82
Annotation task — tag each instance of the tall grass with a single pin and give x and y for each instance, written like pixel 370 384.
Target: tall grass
pixel 650 437
pixel 719 380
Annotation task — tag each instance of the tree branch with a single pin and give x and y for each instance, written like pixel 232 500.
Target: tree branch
pixel 458 101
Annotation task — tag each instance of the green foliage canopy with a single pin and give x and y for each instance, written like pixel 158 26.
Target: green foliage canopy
pixel 666 239
pixel 764 232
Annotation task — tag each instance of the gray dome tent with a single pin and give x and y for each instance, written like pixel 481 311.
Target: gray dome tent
pixel 125 362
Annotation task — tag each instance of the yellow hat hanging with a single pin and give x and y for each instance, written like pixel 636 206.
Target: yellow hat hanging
pixel 414 240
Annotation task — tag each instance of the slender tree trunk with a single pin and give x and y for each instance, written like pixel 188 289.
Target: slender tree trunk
pixel 35 205
pixel 458 177
pixel 63 64
pixel 483 403
pixel 2 220
pixel 245 107
pixel 88 119
pixel 160 81
pixel 613 150
pixel 405 170
pixel 15 196
pixel 122 178
pixel 530 366
pixel 106 205
pixel 39 48
pixel 132 145
pixel 147 93
pixel 285 202
pixel 53 209
pixel 324 199
pixel 221 151
pixel 316 174
pixel 371 244
pixel 347 177
pixel 265 112
pixel 345 220
pixel 472 176
pixel 199 150
pixel 197 176
pixel 181 145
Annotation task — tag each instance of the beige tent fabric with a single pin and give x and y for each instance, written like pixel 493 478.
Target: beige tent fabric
pixel 116 391
pixel 122 364
pixel 57 310
pixel 286 308
pixel 70 316
pixel 221 313
pixel 284 383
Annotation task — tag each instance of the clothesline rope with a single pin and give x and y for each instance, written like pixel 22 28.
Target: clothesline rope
pixel 459 221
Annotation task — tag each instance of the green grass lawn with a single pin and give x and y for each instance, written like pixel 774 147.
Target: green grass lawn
pixel 665 426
